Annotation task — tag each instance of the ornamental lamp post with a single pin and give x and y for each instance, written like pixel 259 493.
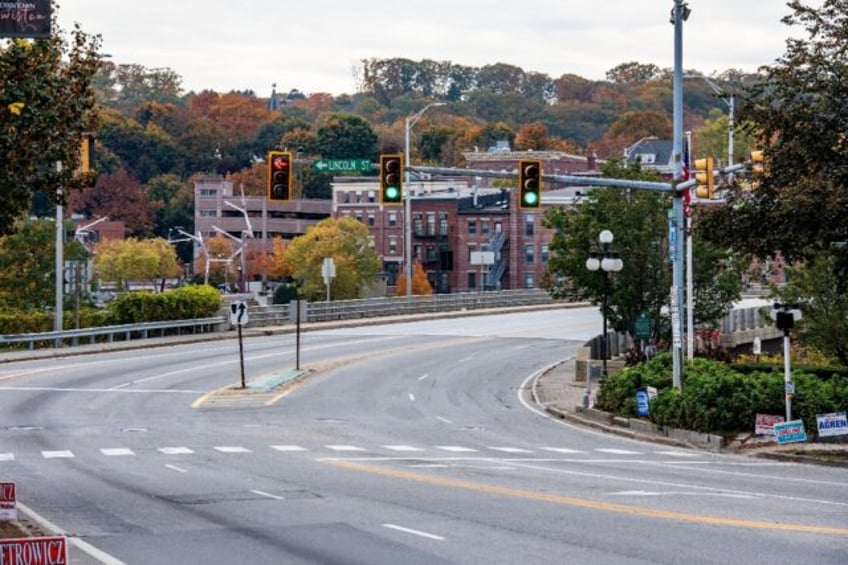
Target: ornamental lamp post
pixel 608 262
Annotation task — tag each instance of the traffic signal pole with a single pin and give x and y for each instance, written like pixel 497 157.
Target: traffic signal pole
pixel 679 14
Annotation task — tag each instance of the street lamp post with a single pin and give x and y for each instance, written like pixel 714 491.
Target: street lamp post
pixel 608 262
pixel 730 100
pixel 407 209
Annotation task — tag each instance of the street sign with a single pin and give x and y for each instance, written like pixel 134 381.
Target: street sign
pixel 643 326
pixel 342 165
pixel 238 313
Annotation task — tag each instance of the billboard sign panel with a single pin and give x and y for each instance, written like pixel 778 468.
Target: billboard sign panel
pixel 25 18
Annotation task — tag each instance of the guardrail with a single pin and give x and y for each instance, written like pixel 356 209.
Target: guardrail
pixel 108 334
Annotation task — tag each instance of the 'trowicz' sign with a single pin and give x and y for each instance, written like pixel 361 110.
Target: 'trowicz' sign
pixel 25 18
pixel 34 551
pixel 8 503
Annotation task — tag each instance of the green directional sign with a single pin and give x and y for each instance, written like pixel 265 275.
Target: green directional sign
pixel 342 165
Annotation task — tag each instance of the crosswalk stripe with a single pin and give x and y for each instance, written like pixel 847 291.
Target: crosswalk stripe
pixel 7 456
pixel 678 453
pixel 511 449
pixel 455 448
pixel 57 454
pixel 402 448
pixel 231 449
pixel 175 450
pixel 344 448
pixel 618 451
pixel 288 448
pixel 562 450
pixel 117 452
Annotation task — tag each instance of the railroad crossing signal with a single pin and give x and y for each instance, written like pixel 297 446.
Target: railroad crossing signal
pixel 529 184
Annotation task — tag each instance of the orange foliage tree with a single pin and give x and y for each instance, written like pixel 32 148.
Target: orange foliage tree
pixel 420 284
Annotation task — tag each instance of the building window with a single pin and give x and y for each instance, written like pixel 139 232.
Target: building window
pixel 208 213
pixel 545 253
pixel 358 216
pixel 484 227
pixel 472 281
pixel 392 246
pixel 472 227
pixel 371 219
pixel 471 249
pixel 371 196
pixel 418 225
pixel 418 252
pixel 431 223
pixel 346 199
pixel 528 253
pixel 392 219
pixel 498 227
pixel 529 280
pixel 208 192
pixel 443 223
pixel 529 225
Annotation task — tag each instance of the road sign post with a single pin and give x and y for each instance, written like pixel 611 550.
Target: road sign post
pixel 238 317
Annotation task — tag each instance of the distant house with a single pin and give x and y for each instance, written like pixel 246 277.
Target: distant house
pixel 653 154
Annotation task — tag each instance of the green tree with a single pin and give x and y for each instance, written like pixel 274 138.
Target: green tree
pixel 345 136
pixel 124 260
pixel 638 220
pixel 344 240
pixel 46 103
pixel 27 266
pixel 799 116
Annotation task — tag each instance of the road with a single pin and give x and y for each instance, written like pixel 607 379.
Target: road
pixel 409 443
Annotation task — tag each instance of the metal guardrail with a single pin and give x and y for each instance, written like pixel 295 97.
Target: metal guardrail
pixel 108 334
pixel 398 306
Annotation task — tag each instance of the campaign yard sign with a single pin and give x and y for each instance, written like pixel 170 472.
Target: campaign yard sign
pixel 51 550
pixel 764 424
pixel 833 424
pixel 8 503
pixel 789 432
pixel 26 18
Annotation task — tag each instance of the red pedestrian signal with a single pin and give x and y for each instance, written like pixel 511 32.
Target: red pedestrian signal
pixel 279 176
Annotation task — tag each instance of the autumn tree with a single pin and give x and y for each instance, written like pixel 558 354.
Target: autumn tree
pixel 420 283
pixel 533 136
pixel 46 105
pixel 346 241
pixel 27 266
pixel 124 260
pixel 278 264
pixel 119 197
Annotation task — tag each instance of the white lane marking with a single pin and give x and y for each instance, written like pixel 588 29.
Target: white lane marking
pixel 57 454
pixel 175 450
pixel 454 448
pixel 445 420
pixel 422 377
pixel 678 453
pixel 231 449
pixel 267 495
pixel 617 451
pixel 286 448
pixel 344 448
pixel 175 468
pixel 680 493
pixel 414 532
pixel 464 359
pixel 562 450
pixel 429 466
pixel 402 448
pixel 412 397
pixel 99 390
pixel 101 556
pixel 511 449
pixel 7 456
pixel 117 452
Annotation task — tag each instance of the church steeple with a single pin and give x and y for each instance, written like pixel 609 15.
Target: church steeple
pixel 274 101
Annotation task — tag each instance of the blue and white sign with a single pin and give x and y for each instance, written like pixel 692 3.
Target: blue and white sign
pixel 833 424
pixel 790 432
pixel 642 405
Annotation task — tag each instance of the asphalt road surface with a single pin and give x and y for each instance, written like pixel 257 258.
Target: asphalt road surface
pixel 406 444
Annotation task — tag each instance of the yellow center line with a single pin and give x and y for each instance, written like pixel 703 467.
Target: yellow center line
pixel 582 502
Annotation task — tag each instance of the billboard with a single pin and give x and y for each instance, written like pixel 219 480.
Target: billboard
pixel 25 18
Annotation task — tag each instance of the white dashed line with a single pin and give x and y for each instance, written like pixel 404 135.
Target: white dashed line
pixel 57 454
pixel 455 448
pixel 267 495
pixel 562 450
pixel 414 532
pixel 344 448
pixel 288 448
pixel 117 452
pixel 175 468
pixel 231 449
pixel 511 449
pixel 402 448
pixel 175 450
pixel 7 456
pixel 618 451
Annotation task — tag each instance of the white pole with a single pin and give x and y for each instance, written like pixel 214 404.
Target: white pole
pixel 407 212
pixel 690 283
pixel 787 376
pixel 58 314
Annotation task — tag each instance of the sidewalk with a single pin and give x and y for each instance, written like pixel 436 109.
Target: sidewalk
pixel 558 393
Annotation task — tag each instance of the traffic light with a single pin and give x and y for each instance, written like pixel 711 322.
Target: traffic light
pixel 758 167
pixel 529 184
pixel 86 153
pixel 705 177
pixel 391 179
pixel 279 176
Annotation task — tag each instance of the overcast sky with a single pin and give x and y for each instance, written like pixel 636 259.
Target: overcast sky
pixel 316 45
